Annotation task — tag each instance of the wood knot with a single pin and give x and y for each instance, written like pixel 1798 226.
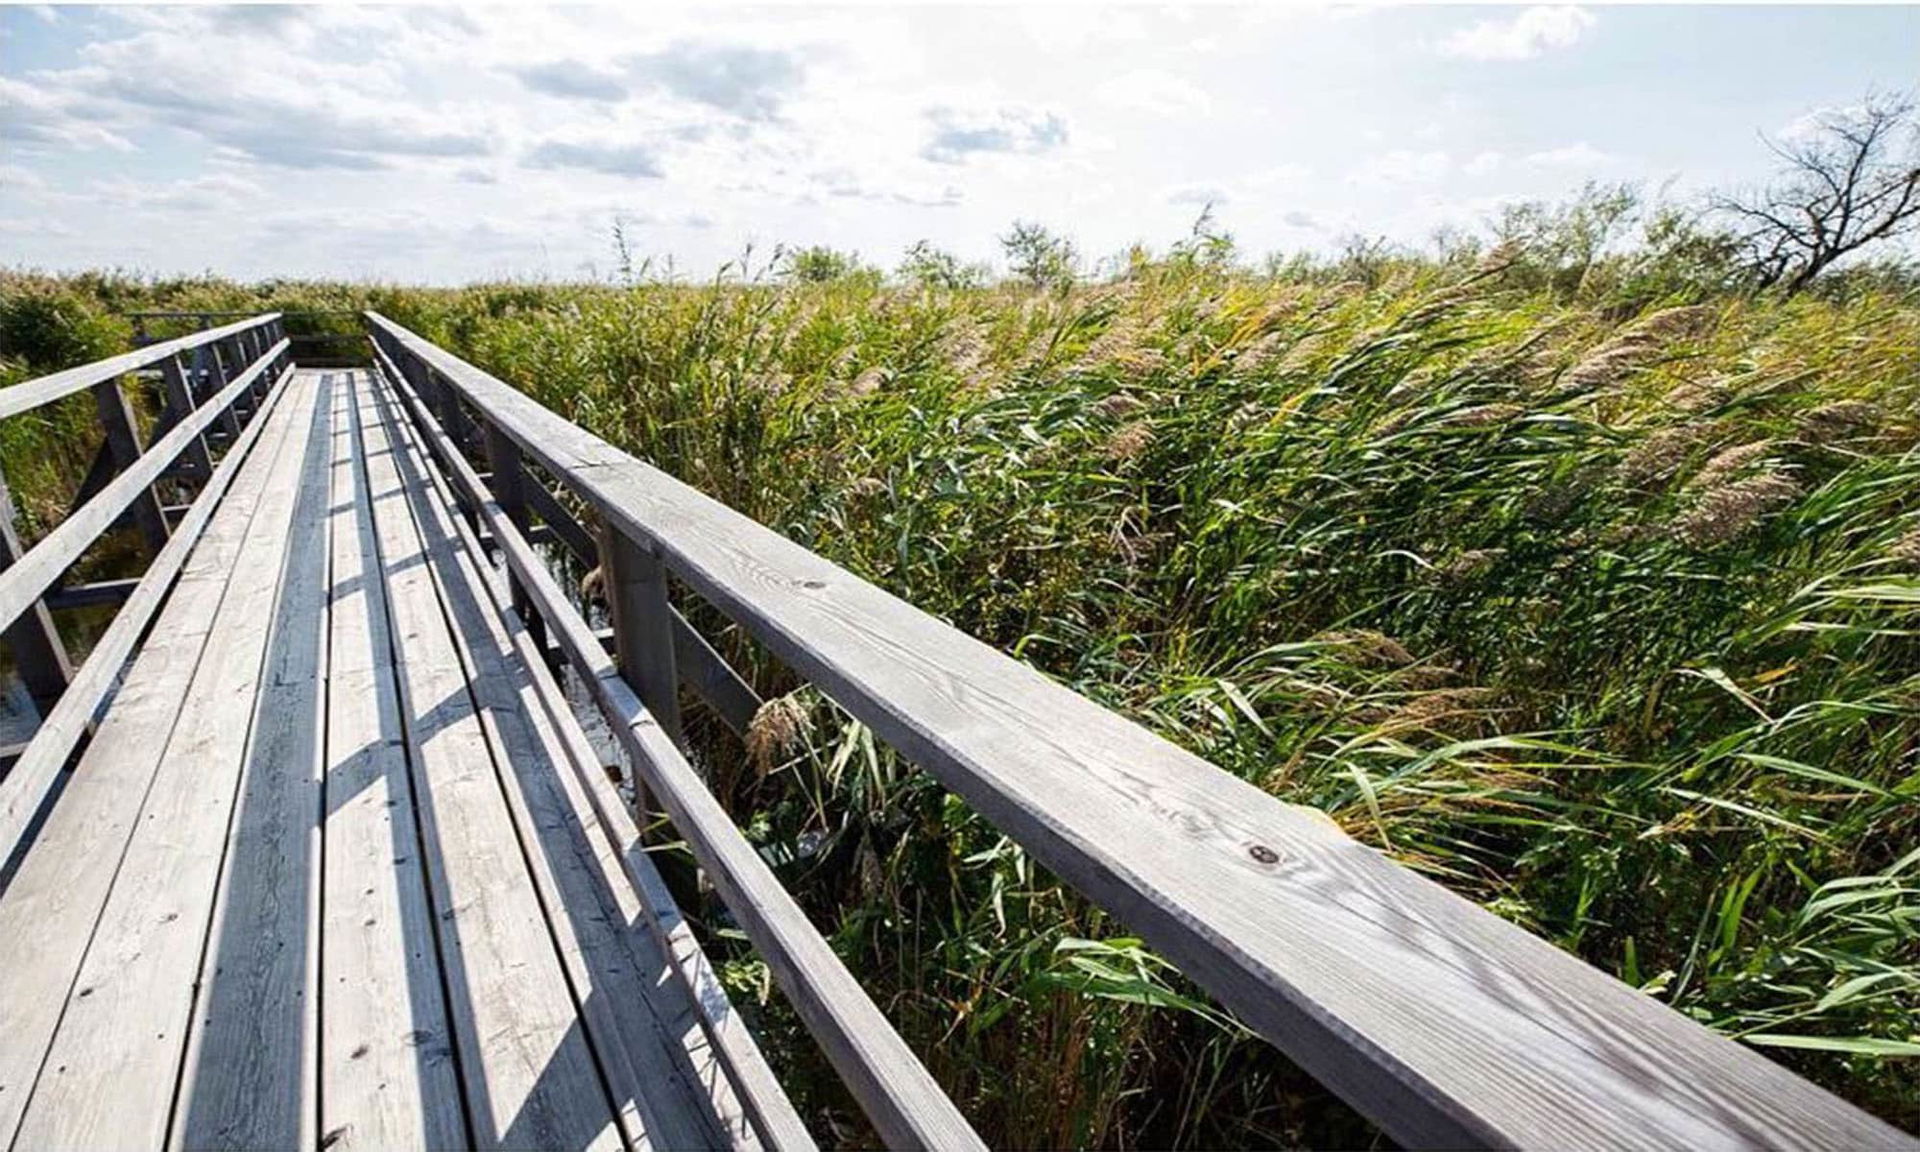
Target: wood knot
pixel 1264 854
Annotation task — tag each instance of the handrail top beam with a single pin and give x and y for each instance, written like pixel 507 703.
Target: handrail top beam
pixel 42 390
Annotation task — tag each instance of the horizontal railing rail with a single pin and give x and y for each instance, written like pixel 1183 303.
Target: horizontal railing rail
pixel 244 337
pixel 1444 1024
pixel 240 369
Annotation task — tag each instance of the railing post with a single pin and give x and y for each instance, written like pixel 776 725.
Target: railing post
pixel 636 589
pixel 123 443
pixel 217 359
pixel 508 483
pixel 35 641
pixel 176 386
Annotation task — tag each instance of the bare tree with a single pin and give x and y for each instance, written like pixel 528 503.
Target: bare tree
pixel 1851 180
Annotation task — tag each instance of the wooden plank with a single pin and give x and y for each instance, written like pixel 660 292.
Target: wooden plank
pixel 902 1100
pixel 123 445
pixel 609 966
pixel 50 909
pixel 28 579
pixel 1443 1023
pixel 30 394
pixel 38 652
pixel 249 1077
pixel 763 1102
pixel 386 1053
pixel 113 1067
pixel 530 1076
pixel 26 787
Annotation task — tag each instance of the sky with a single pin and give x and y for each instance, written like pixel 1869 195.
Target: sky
pixel 445 145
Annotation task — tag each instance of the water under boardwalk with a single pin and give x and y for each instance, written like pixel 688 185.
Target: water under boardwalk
pixel 328 873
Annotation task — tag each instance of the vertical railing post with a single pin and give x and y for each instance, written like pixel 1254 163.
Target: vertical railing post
pixel 123 444
pixel 508 482
pixel 635 584
pixel 35 641
pixel 180 405
pixel 217 354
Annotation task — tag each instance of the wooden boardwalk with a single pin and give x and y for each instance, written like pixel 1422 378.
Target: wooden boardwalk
pixel 310 851
pixel 327 873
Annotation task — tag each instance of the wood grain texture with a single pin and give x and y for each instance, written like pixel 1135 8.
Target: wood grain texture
pixel 902 1100
pixel 111 1072
pixel 31 394
pixel 613 969
pixel 527 1068
pixel 249 1077
pixel 764 1102
pixel 49 909
pixel 25 788
pixel 28 579
pixel 1443 1023
pixel 386 1046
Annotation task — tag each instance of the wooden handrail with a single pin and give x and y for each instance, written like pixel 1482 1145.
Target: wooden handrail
pixel 903 1101
pixel 30 394
pixel 30 577
pixel 1443 1023
pixel 27 786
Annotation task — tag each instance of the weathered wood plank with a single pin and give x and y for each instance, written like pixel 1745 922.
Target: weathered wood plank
pixel 30 394
pixel 1445 1024
pixel 28 579
pixel 744 1068
pixel 528 1070
pixel 111 1073
pixel 249 1077
pixel 48 911
pixel 905 1104
pixel 386 1049
pixel 610 966
pixel 636 585
pixel 26 787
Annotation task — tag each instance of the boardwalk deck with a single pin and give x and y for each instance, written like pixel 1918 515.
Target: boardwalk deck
pixel 326 875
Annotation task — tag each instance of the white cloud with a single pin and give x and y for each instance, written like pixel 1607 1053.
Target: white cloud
pixel 1573 156
pixel 1155 92
pixel 607 156
pixel 1402 166
pixel 1526 34
pixel 960 133
pixel 1483 163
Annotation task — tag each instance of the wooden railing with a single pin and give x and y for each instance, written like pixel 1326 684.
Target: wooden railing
pixel 310 343
pixel 211 385
pixel 1444 1024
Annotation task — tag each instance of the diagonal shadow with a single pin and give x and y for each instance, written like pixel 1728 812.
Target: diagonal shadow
pixel 627 976
pixel 256 1044
pixel 246 1087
